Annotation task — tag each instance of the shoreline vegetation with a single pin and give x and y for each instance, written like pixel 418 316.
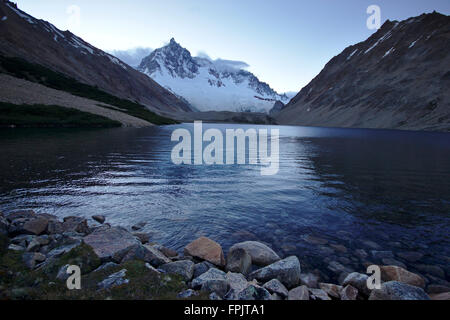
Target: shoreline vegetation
pixel 36 73
pixel 36 251
pixel 50 116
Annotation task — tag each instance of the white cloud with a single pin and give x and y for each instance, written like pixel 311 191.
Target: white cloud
pixel 132 57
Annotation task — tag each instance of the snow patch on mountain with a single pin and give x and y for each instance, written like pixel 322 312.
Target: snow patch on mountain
pixel 209 85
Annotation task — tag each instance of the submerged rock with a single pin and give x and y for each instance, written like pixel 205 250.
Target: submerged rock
pixel 206 249
pixel 309 279
pixel 394 290
pixel 287 271
pixel 261 254
pixel 99 219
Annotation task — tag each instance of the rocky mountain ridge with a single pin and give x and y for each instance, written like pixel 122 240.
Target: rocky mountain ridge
pixel 208 85
pixel 396 79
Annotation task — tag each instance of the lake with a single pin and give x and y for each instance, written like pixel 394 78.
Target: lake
pixel 337 191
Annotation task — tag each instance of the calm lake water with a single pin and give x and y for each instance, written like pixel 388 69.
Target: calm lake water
pixel 337 190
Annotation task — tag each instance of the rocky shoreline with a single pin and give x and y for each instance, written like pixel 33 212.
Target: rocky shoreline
pixel 37 249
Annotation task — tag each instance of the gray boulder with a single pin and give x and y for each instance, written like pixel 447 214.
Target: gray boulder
pixel 183 268
pixel 212 274
pixel 111 244
pixel 202 267
pixel 275 286
pixel 358 281
pixel 299 293
pixel 100 219
pixel 114 280
pixel 237 283
pixel 287 271
pixel 261 254
pixel 394 290
pixel 238 260
pixel 254 292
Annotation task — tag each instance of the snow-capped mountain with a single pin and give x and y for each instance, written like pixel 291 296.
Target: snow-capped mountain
pixel 208 85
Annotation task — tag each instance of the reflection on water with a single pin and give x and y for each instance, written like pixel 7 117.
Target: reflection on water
pixel 337 191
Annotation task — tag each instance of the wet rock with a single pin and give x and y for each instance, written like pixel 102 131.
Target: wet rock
pixel 394 273
pixel 393 262
pixel 99 219
pixel 138 226
pixel 337 267
pixel 212 274
pixel 318 294
pixel 309 279
pixel 254 292
pixel 441 296
pixel 202 267
pixel 315 240
pixel 411 256
pixel 142 237
pixel 75 224
pixel 275 286
pixel 339 248
pixel 261 254
pixel 326 251
pixel 166 251
pixel 183 268
pixel 109 243
pixel 206 249
pixel 155 257
pixel 239 261
pixel 299 293
pixel 361 253
pixel 189 293
pixel 349 293
pixel 31 259
pixel 332 290
pixel 55 227
pixel 24 214
pixel 382 254
pixel 114 280
pixel 437 288
pixel 287 271
pixel 429 269
pixel 358 281
pixel 372 245
pixel 394 290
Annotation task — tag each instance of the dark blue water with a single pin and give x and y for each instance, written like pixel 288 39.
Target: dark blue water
pixel 362 189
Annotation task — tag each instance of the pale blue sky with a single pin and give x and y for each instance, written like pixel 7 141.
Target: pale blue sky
pixel 285 42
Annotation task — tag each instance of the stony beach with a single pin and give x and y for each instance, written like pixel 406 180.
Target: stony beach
pixel 119 263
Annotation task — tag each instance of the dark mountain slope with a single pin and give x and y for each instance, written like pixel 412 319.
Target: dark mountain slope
pixel 40 42
pixel 399 78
